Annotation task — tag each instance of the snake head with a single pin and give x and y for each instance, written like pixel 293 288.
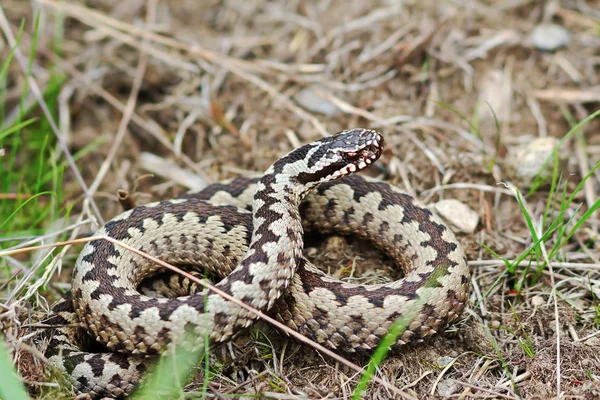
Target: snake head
pixel 359 148
pixel 338 155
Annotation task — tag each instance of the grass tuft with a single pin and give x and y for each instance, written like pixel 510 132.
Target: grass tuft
pixel 554 226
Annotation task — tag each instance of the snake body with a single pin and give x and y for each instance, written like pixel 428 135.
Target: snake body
pixel 249 233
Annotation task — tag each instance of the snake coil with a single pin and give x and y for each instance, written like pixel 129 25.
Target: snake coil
pixel 250 234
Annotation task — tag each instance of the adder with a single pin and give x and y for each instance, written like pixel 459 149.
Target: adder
pixel 249 232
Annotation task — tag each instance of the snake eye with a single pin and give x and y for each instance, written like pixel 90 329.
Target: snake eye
pixel 352 156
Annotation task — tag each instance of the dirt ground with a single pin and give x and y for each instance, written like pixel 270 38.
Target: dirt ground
pixel 196 92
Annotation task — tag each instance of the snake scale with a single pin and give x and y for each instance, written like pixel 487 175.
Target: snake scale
pixel 249 233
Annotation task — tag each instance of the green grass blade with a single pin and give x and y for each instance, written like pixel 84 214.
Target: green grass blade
pixel 11 54
pixel 539 179
pixel 11 387
pixel 88 148
pixel 16 128
pixel 580 184
pixel 396 330
pixel 548 210
pixel 168 377
pixel 11 216
pixel 529 222
pixel 582 220
pixel 510 268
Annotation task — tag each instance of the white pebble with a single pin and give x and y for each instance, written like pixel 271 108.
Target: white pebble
pixel 459 216
pixel 550 37
pixel 537 301
pixel 448 387
pixel 524 162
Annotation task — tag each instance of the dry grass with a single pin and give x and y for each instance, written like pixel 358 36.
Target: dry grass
pixel 209 89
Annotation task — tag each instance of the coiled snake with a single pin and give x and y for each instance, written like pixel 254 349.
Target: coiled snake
pixel 258 254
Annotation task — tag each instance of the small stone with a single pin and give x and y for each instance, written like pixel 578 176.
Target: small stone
pixel 549 37
pixel 448 387
pixel 524 162
pixel 537 301
pixel 459 216
pixel 310 100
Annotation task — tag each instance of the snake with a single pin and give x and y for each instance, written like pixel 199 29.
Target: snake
pixel 111 326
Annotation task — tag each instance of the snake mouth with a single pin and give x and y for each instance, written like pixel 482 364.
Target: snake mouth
pixel 373 147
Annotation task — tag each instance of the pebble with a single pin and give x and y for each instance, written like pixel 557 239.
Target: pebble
pixel 459 216
pixel 448 387
pixel 495 324
pixel 525 161
pixel 537 301
pixel 550 37
pixel 310 100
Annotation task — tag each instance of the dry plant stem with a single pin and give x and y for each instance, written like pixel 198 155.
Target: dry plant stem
pixel 430 155
pixel 15 196
pixel 498 395
pixel 348 108
pixel 419 379
pixel 467 391
pixel 590 95
pixel 536 111
pixel 482 188
pixel 5 26
pixel 566 265
pixel 226 296
pixel 516 379
pixel 91 16
pixel 126 200
pixel 591 335
pixel 275 94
